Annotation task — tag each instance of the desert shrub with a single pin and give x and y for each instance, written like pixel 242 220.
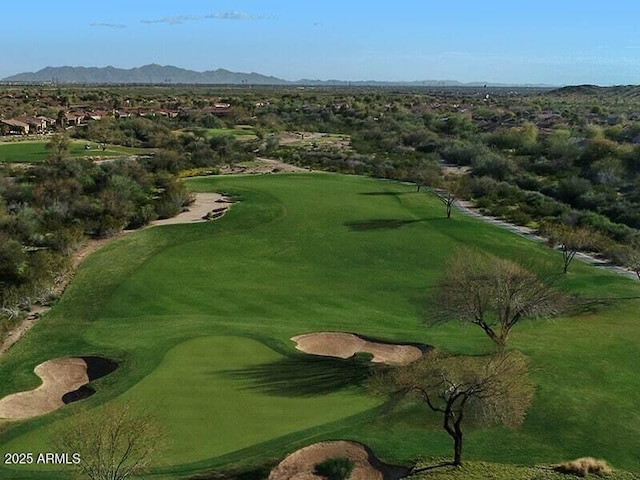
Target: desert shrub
pixel 583 466
pixel 337 468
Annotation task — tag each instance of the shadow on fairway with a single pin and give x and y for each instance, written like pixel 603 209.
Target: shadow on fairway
pixel 97 367
pixel 305 376
pixel 385 223
pixel 380 194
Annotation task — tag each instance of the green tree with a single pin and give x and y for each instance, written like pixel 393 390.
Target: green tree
pixel 103 132
pixel 58 147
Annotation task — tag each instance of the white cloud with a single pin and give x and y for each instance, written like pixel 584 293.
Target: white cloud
pixel 107 25
pixel 232 16
pixel 177 20
pixel 180 19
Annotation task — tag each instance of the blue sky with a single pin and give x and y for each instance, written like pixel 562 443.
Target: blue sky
pixel 555 42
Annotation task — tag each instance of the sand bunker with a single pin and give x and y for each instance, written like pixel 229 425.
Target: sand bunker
pixel 345 345
pixel 63 381
pixel 59 376
pixel 299 465
pixel 207 206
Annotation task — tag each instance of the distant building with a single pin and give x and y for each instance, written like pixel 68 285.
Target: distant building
pixel 37 124
pixel 15 127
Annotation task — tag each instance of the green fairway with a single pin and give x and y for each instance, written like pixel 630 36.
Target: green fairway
pixel 34 152
pixel 199 318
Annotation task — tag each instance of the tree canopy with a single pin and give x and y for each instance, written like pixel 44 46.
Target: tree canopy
pixel 113 443
pixel 494 294
pixel 486 390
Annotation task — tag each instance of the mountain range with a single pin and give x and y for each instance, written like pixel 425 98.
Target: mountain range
pixel 147 74
pixel 166 74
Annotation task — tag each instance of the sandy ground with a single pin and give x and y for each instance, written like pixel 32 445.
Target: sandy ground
pixel 345 345
pixel 59 376
pixel 205 203
pixel 287 138
pixel 300 464
pixel 261 166
pixel 23 327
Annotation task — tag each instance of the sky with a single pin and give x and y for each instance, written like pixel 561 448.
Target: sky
pixel 550 42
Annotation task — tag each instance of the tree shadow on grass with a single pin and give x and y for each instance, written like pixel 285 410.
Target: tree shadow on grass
pixel 305 376
pixel 385 223
pixel 378 224
pixel 383 194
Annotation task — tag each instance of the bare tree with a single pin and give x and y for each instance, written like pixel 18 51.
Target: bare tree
pixel 486 390
pixel 570 240
pixel 425 175
pixel 629 256
pixel 113 442
pixel 448 198
pixel 494 294
pixel 448 190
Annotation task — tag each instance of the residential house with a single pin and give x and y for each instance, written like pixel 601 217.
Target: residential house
pixel 15 127
pixel 37 124
pixel 95 115
pixel 73 119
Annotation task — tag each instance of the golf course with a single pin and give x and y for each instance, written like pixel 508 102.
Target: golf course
pixel 199 320
pixel 36 151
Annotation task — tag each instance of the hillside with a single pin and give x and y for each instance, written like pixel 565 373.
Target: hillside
pixel 147 74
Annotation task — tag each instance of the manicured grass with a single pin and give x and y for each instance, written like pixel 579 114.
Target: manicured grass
pixel 34 152
pixel 310 252
pixel 234 375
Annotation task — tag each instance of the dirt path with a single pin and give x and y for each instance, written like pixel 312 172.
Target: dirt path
pixel 204 204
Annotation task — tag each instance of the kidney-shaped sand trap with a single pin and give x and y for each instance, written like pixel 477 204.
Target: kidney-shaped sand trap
pixel 61 377
pixel 300 464
pixel 345 345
